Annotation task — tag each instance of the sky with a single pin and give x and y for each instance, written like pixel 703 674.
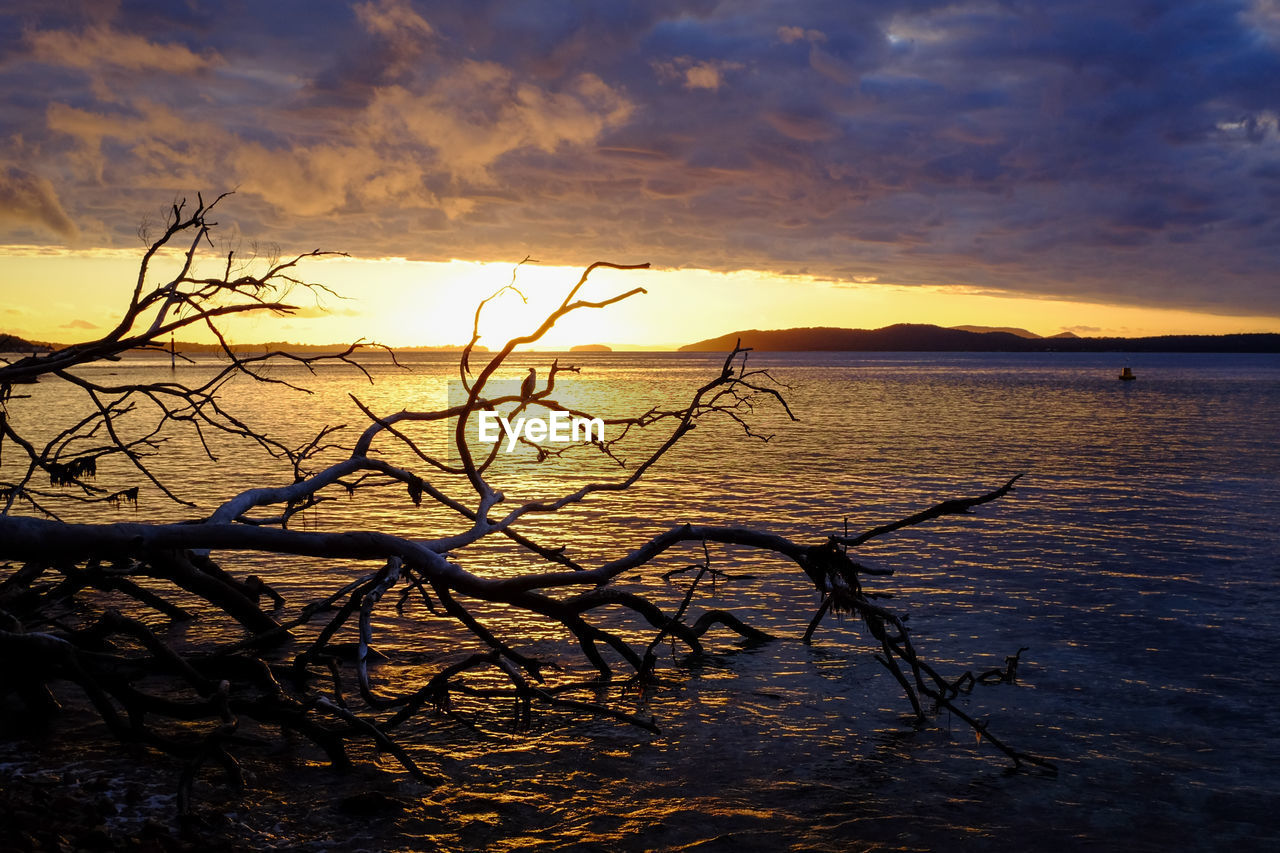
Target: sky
pixel 1099 167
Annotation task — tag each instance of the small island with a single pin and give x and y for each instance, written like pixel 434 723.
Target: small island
pixel 591 348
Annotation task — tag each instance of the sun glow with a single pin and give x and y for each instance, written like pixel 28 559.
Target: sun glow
pixel 68 297
pixel 518 299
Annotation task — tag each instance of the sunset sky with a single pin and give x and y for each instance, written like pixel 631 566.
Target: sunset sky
pixel 1104 168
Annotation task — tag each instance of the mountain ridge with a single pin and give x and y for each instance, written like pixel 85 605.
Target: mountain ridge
pixel 923 337
pixel 1013 330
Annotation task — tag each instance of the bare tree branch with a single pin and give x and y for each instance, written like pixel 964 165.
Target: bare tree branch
pixel 56 621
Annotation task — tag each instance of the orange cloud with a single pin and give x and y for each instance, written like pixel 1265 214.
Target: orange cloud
pixel 100 45
pixel 704 74
pixel 480 111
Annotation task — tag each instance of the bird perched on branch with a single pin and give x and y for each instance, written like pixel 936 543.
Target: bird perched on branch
pixel 526 387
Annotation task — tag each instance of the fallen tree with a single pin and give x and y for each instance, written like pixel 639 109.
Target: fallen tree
pixel 85 603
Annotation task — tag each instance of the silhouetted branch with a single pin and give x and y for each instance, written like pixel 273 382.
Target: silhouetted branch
pixel 951 507
pixel 288 665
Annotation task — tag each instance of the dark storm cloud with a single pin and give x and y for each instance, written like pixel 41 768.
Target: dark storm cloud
pixel 1121 151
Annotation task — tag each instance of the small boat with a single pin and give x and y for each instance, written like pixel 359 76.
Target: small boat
pixel 1126 375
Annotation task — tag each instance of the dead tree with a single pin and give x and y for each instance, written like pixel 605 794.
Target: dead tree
pixel 287 669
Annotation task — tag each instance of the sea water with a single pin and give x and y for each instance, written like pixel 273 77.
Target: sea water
pixel 1137 560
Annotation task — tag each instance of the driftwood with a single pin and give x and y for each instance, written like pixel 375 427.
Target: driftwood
pixel 55 629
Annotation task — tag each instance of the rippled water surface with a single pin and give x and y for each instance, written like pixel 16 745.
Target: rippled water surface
pixel 1138 560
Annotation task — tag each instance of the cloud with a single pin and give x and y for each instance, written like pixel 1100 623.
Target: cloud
pixel 392 19
pixel 79 324
pixel 693 74
pixel 703 75
pixel 1110 151
pixel 458 127
pixel 803 125
pixel 480 111
pixel 390 41
pixel 27 199
pixel 790 35
pixel 101 45
pixel 324 311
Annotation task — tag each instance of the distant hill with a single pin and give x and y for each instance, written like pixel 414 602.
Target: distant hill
pixel 591 348
pixel 1065 335
pixel 914 337
pixel 13 343
pixel 1022 333
pixel 902 337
